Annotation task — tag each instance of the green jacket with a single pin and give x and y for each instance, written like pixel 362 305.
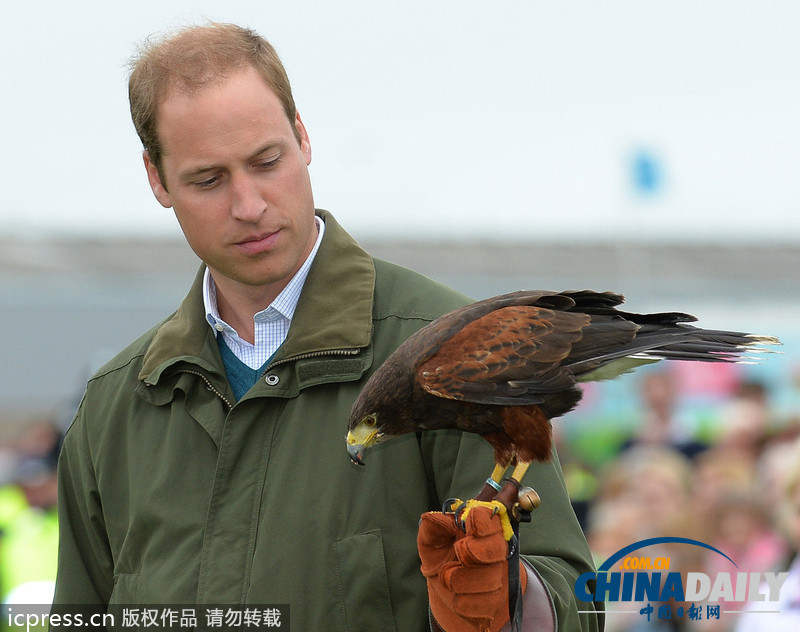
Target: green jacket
pixel 172 492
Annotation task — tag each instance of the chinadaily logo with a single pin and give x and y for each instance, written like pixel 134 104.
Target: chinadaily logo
pixel 658 591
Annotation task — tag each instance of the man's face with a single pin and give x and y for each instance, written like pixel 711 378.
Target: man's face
pixel 237 179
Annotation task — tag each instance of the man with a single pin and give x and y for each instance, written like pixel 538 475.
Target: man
pixel 207 463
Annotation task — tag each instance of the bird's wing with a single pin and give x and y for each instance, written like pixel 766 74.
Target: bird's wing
pixel 511 355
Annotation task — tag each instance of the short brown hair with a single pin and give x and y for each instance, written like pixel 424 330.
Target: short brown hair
pixel 190 59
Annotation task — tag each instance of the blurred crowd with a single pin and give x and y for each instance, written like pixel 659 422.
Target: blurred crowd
pixel 736 489
pixel 28 515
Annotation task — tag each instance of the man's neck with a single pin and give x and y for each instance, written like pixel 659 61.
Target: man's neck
pixel 238 304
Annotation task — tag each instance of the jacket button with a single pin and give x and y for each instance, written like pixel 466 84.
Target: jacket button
pixel 272 379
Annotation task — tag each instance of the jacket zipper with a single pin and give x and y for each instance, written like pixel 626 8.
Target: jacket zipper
pixel 209 386
pixel 315 354
pixel 302 356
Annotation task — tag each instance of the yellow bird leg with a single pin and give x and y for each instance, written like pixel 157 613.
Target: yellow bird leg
pixel 497 473
pixel 519 471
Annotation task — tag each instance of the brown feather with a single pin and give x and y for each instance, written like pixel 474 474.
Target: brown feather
pixel 480 362
pixel 531 432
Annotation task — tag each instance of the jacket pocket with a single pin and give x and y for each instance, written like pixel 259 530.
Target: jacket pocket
pixel 363 584
pixel 126 589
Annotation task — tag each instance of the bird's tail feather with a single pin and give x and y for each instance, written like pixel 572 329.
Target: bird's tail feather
pixel 681 342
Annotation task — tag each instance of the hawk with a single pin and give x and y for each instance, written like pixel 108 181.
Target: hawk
pixel 505 366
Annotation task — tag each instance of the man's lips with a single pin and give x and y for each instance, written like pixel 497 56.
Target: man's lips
pixel 255 244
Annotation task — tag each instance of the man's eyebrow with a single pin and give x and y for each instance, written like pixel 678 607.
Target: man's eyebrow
pixel 275 144
pixel 194 173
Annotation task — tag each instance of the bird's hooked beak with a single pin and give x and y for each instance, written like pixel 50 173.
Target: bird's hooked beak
pixel 364 435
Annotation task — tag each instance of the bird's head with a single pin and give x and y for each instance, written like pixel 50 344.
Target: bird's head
pixel 381 409
pixel 364 432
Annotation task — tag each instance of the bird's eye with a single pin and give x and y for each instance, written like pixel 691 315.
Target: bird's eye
pixel 369 420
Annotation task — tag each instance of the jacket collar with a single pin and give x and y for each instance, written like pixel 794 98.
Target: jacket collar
pixel 334 311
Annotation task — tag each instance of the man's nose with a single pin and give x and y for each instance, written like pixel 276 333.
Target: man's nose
pixel 247 203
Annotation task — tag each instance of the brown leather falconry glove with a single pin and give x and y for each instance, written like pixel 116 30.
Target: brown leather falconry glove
pixel 466 567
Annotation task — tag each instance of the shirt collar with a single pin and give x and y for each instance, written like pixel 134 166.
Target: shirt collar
pixel 284 304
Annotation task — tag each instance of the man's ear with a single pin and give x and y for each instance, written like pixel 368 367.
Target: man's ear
pixel 302 136
pixel 157 186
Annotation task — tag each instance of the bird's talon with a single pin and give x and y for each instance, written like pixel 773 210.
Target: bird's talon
pixel 453 506
pixel 498 509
